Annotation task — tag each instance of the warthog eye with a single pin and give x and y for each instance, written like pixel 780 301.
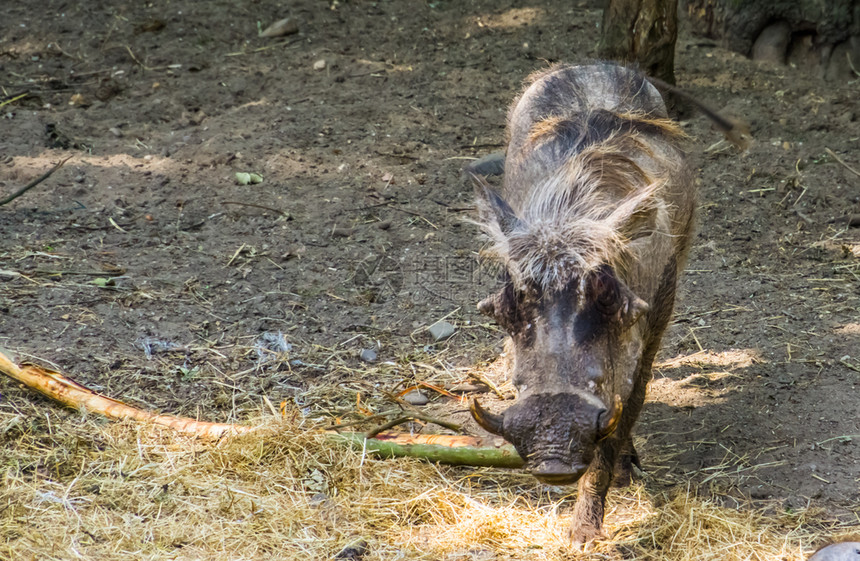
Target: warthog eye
pixel 606 293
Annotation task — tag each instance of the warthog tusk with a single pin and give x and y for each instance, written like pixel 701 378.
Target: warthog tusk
pixel 609 425
pixel 490 422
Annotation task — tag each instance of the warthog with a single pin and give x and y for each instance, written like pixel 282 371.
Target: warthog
pixel 592 227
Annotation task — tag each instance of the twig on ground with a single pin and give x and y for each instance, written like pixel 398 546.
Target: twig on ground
pixel 412 213
pixel 452 449
pixel 844 437
pixel 412 416
pixel 803 217
pixel 235 255
pixel 151 68
pixel 266 48
pixel 852 221
pixel 841 161
pixel 847 364
pixel 115 225
pixel 449 208
pixel 281 212
pixel 377 417
pixel 13 99
pixel 9 273
pixel 56 272
pixel 818 477
pixel 33 183
pixel 487 382
pixel 437 389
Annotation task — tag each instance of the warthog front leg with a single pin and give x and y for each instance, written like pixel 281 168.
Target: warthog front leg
pixel 627 458
pixel 588 512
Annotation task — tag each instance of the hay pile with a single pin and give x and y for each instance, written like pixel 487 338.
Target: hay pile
pixel 83 488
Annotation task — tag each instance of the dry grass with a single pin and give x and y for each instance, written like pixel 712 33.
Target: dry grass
pixel 81 488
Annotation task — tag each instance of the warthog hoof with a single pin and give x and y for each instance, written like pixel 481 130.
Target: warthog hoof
pixel 581 534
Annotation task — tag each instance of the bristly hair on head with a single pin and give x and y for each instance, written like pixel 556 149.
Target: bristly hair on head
pixel 579 219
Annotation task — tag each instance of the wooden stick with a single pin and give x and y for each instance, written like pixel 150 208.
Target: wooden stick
pixel 281 212
pixel 412 416
pixel 71 394
pixel 33 183
pixel 838 159
pixel 736 131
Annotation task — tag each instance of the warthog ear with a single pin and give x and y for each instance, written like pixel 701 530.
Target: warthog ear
pixel 490 422
pixel 608 421
pixel 489 306
pixel 505 306
pixel 633 309
pixel 640 224
pixel 491 164
pixel 613 297
pixel 493 207
pixel 631 306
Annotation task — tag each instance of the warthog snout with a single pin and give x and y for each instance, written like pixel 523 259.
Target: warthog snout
pixel 555 434
pixel 555 472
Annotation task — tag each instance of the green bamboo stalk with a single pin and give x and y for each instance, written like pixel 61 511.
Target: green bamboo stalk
pixel 481 454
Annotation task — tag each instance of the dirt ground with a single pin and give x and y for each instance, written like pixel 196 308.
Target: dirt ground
pixel 144 270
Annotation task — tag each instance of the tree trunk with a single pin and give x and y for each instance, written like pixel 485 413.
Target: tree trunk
pixel 642 32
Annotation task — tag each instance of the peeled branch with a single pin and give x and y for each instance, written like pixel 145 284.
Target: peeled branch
pixel 56 386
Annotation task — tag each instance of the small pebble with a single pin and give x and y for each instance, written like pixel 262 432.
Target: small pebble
pixel 368 355
pixel 342 232
pixel 416 397
pixel 280 28
pixel 319 498
pixel 441 330
pixel 320 64
pixel 355 550
pixel 845 551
